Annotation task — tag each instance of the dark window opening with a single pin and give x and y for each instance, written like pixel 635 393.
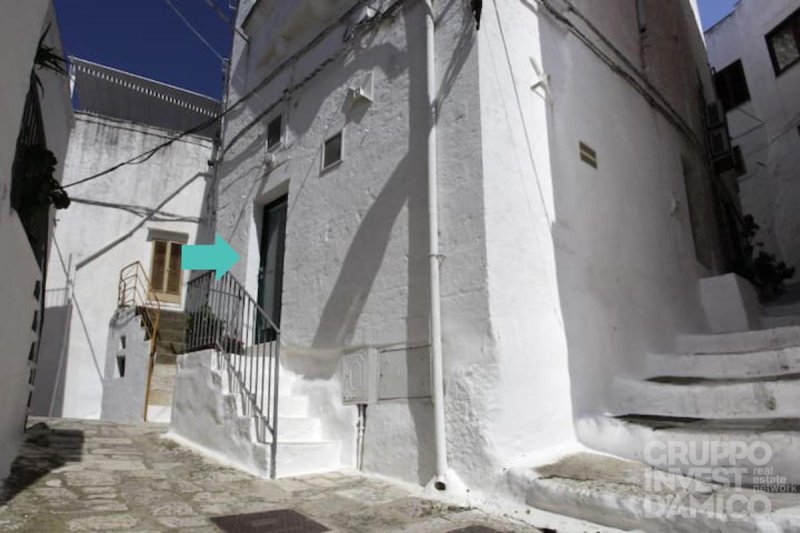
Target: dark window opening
pixel 120 366
pixel 333 151
pixel 31 144
pixel 784 43
pixel 731 84
pixel 274 132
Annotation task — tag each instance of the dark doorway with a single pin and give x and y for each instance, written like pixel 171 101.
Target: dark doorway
pixel 270 272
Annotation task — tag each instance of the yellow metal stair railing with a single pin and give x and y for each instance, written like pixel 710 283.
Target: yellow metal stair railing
pixel 134 291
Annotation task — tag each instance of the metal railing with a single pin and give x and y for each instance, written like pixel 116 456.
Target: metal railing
pixel 57 297
pixel 222 316
pixel 134 291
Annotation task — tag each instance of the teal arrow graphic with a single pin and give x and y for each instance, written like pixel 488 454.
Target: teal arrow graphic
pixel 218 256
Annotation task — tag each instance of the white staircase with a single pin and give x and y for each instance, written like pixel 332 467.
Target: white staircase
pixel 735 387
pixel 211 412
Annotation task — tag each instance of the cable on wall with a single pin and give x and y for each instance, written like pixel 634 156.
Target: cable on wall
pixel 145 156
pixel 643 87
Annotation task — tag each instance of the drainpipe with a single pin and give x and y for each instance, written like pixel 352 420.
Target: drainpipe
pixel 437 379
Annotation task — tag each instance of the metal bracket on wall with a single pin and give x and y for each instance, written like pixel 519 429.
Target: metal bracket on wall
pixel 542 82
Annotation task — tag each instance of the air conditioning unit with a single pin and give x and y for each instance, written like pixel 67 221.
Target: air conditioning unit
pixel 719 143
pixel 715 114
pixel 362 89
pixel 269 160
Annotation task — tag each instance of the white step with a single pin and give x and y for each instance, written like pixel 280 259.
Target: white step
pixel 735 365
pixel 159 413
pixel 611 492
pixel 217 422
pixel 780 321
pixel 647 439
pixel 293 406
pixel 701 398
pixel 746 341
pixel 299 429
pixel 290 429
pixel 297 458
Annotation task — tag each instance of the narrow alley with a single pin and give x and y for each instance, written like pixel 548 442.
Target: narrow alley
pixel 99 476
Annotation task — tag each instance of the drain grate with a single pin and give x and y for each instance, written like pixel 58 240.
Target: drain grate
pixel 281 521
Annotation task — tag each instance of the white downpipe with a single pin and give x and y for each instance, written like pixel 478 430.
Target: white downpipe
pixel 437 378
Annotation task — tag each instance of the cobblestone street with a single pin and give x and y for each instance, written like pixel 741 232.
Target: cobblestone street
pixel 93 476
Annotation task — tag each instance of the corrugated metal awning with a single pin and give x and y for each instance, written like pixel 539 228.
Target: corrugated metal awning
pixel 113 93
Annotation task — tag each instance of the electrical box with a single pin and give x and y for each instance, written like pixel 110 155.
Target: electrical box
pixel 373 375
pixel 356 377
pixel 404 374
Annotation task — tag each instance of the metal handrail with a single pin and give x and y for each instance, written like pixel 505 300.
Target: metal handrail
pixel 134 291
pixel 222 316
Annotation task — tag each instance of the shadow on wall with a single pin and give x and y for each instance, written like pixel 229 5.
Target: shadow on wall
pixel 206 228
pixel 406 186
pixel 48 392
pixel 625 264
pixel 44 450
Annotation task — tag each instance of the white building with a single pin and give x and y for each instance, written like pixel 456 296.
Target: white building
pixel 755 51
pixel 143 213
pixel 558 213
pixel 31 115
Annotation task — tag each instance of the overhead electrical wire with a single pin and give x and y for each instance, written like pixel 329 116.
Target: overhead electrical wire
pixel 145 156
pixel 641 85
pixel 195 30
pixel 138 210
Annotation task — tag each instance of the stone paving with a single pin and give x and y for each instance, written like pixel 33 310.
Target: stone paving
pixel 96 476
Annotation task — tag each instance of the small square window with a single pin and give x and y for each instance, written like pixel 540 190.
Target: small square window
pixel 333 151
pixel 731 85
pixel 784 43
pixel 274 132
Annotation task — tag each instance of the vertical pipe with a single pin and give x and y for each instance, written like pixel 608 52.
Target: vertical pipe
pixel 437 377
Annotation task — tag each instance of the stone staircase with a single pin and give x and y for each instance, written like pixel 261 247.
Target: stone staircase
pixel 171 343
pixel 212 413
pixel 718 388
pixel 707 440
pixel 171 336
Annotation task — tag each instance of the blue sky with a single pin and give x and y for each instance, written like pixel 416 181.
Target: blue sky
pixel 147 38
pixel 711 11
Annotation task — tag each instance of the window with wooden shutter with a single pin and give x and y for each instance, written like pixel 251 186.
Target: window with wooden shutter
pixel 166 275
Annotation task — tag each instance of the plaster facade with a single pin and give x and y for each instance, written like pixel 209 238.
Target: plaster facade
pixel 109 210
pixel 765 126
pixel 557 276
pixel 20 31
pixel 125 381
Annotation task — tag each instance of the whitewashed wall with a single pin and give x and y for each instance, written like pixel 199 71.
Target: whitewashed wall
pixel 20 30
pixel 356 256
pixel 589 269
pixel 555 278
pixel 98 143
pixel 765 127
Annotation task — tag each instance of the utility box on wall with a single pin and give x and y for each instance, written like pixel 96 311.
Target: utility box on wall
pixel 373 375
